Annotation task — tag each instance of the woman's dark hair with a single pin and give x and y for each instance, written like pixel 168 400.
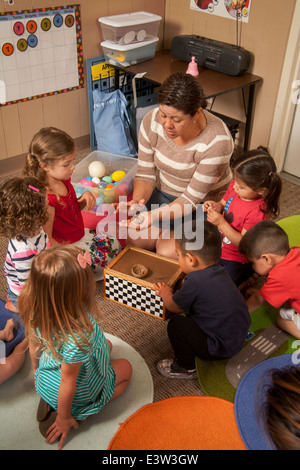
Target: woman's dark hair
pixel 183 92
pixel 257 169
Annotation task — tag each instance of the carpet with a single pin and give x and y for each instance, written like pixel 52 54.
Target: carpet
pixel 181 423
pixel 248 396
pixel 265 340
pixel 19 402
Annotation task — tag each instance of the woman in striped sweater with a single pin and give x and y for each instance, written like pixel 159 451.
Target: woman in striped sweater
pixel 183 160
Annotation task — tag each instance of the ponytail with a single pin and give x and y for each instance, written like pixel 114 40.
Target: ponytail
pixel 272 195
pixel 33 168
pixel 258 171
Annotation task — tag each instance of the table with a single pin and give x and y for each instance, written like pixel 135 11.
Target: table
pixel 213 83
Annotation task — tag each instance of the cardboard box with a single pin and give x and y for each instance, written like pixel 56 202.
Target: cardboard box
pixel 121 286
pixel 130 28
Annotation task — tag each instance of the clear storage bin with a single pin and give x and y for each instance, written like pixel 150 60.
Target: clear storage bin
pixel 129 54
pixel 130 27
pixel 112 164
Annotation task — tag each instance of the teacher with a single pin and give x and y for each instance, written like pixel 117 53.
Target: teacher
pixel 183 160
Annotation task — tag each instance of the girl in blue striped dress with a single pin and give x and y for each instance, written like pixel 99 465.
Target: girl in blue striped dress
pixel 70 355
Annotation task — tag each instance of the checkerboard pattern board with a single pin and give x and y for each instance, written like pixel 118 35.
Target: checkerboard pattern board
pixel 133 295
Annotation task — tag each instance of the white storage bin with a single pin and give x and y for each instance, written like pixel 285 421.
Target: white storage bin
pixel 112 163
pixel 130 27
pixel 129 54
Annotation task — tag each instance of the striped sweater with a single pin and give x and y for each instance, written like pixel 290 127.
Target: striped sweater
pixel 19 257
pixel 194 172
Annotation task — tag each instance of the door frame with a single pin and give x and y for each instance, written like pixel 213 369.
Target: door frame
pixel 285 105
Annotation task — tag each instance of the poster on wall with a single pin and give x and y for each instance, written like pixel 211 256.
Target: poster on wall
pixel 233 9
pixel 40 53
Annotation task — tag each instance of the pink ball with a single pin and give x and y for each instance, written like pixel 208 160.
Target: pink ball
pixel 87 182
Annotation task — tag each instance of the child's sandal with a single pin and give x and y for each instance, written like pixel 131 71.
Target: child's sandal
pixel 45 425
pixel 43 411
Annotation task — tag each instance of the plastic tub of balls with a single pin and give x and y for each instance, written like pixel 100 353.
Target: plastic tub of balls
pixel 106 176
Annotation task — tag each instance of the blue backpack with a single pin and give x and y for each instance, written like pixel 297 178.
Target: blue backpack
pixel 111 123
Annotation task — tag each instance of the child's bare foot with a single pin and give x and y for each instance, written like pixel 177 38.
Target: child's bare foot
pixel 7 334
pixel 10 306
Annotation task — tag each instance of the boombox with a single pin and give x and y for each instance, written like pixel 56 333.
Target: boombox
pixel 214 55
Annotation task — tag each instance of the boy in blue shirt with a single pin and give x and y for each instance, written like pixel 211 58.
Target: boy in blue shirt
pixel 216 320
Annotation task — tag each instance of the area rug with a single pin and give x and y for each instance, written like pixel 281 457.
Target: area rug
pixel 19 402
pixel 181 423
pixel 250 396
pixel 265 340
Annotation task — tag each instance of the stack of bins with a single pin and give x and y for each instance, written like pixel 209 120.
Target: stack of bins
pixel 129 38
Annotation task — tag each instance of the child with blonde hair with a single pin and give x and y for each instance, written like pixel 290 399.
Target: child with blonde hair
pixel 23 212
pixel 252 196
pixel 69 352
pixel 51 159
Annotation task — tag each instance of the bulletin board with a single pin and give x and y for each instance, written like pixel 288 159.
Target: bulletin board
pixel 232 9
pixel 40 53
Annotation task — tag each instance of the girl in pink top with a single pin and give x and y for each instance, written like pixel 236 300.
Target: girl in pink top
pixel 252 196
pixel 51 160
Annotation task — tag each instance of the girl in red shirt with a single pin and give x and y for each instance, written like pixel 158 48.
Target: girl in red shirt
pixel 252 196
pixel 51 160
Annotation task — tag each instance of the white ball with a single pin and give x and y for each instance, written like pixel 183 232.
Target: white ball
pixel 96 169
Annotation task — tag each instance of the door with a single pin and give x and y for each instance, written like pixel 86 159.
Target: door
pixel 292 158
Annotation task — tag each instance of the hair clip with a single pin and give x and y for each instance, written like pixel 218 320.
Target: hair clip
pixel 271 173
pixel 34 189
pixel 85 259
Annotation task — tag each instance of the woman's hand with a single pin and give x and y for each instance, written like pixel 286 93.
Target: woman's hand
pixel 87 201
pixel 60 427
pixel 132 208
